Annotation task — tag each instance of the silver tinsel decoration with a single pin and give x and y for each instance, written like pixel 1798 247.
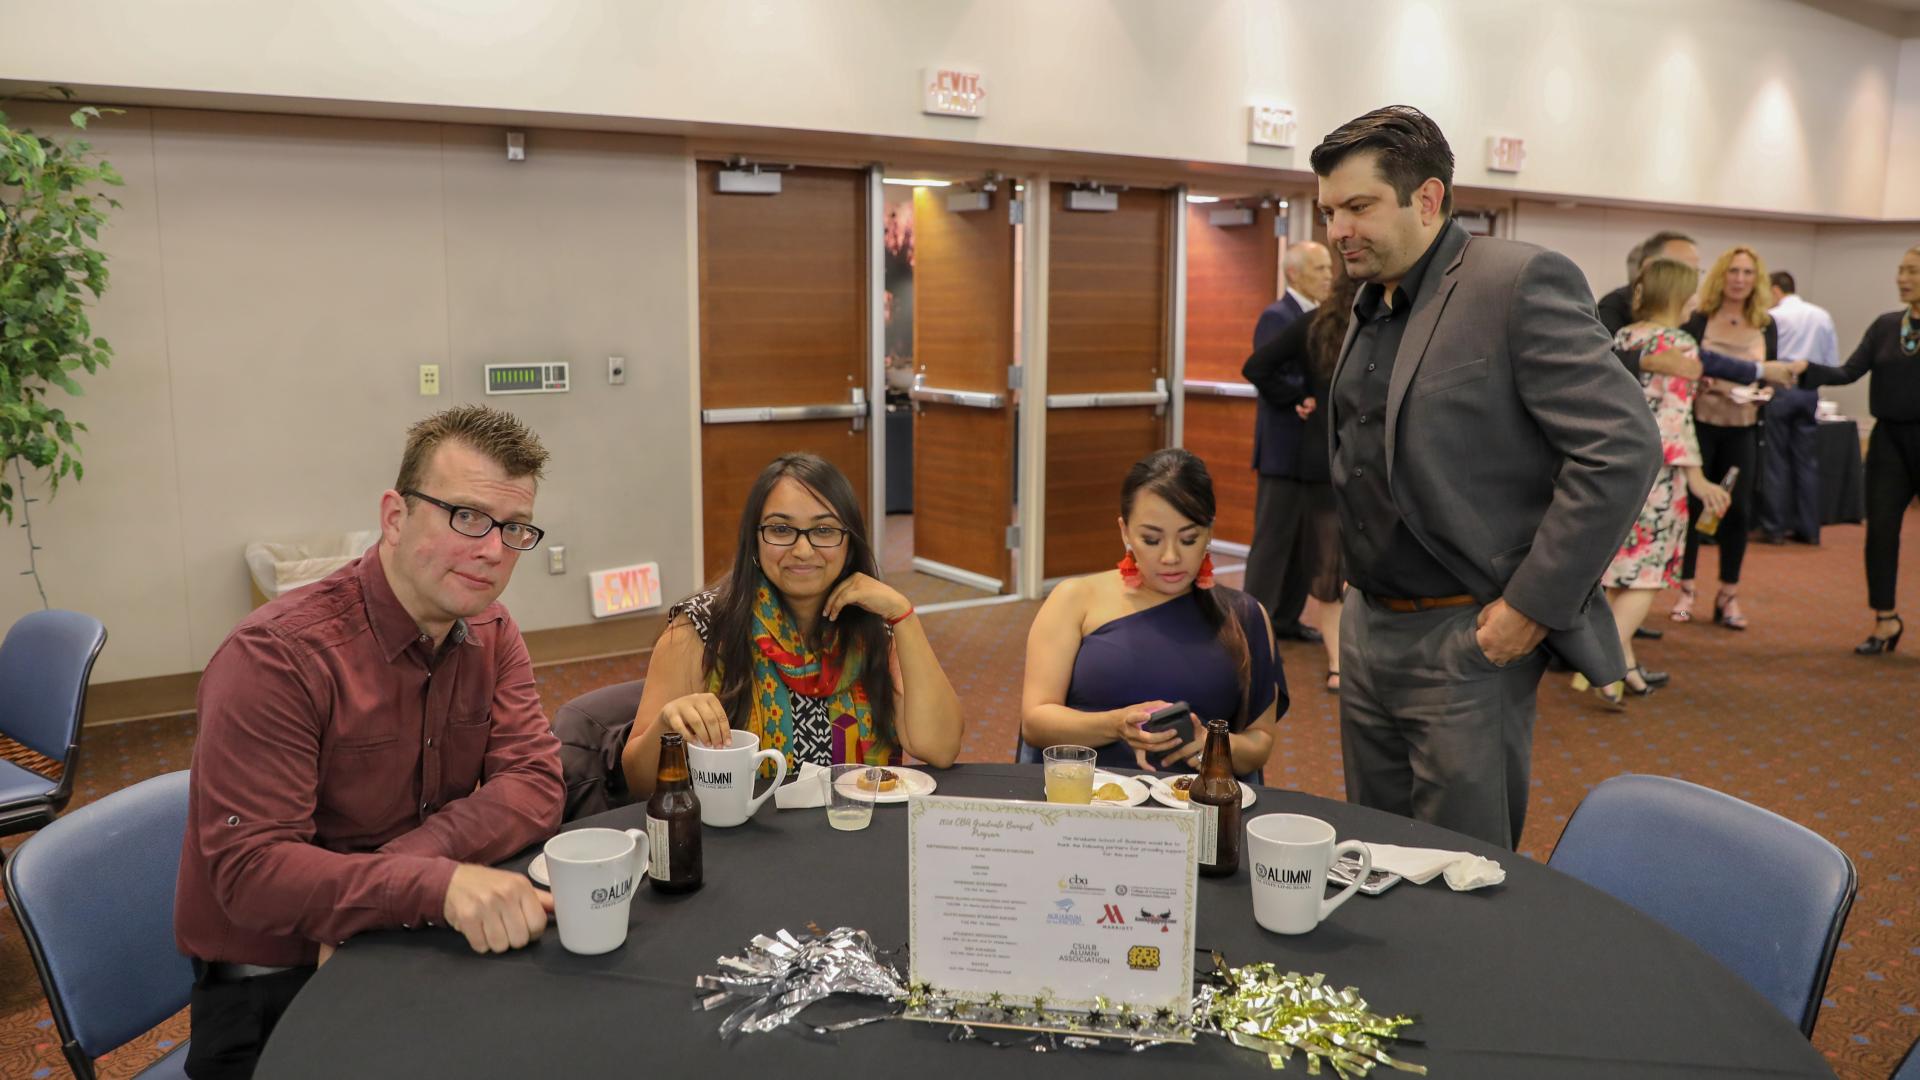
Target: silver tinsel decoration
pixel 781 975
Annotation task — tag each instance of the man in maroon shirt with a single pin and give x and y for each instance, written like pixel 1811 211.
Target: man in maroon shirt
pixel 369 744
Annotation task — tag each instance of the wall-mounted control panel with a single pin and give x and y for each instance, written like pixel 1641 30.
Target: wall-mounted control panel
pixel 551 378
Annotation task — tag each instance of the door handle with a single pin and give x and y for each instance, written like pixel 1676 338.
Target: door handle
pixel 856 410
pixel 1156 397
pixel 974 399
pixel 1207 388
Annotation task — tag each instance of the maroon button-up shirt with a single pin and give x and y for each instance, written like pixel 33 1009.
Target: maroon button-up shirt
pixel 343 769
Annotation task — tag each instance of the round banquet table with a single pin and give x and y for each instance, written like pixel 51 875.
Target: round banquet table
pixel 1540 977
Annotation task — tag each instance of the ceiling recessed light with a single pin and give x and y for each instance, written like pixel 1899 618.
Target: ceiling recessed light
pixel 915 181
pixel 1203 198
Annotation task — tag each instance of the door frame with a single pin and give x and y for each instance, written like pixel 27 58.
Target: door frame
pixel 876 361
pixel 1030 485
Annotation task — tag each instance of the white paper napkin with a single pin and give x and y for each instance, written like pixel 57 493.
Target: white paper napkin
pixel 1421 865
pixel 807 789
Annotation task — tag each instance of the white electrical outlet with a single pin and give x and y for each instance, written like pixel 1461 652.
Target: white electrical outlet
pixel 429 380
pixel 556 559
pixel 616 370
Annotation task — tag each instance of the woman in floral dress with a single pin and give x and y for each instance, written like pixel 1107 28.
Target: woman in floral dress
pixel 1649 560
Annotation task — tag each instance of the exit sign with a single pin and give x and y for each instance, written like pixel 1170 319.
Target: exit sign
pixel 624 589
pixel 1269 125
pixel 946 92
pixel 1506 153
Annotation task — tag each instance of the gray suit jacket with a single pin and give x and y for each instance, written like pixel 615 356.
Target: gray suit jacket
pixel 1519 452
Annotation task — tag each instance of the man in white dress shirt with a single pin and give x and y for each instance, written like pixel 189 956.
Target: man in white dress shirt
pixel 1792 484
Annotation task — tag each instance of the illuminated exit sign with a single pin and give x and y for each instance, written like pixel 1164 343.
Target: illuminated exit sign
pixel 624 589
pixel 946 92
pixel 527 378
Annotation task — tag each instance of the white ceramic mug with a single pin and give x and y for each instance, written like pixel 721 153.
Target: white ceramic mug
pixel 723 778
pixel 1289 855
pixel 593 873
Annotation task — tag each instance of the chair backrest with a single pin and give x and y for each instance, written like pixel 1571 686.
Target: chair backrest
pixel 592 730
pixel 93 892
pixel 1762 895
pixel 45 662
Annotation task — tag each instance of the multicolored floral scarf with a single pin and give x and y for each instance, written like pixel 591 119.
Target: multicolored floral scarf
pixel 784 666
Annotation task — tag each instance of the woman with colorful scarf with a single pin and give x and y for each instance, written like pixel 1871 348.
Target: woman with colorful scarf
pixel 801 644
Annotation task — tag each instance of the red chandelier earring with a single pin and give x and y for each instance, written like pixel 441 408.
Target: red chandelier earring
pixel 1129 570
pixel 1204 579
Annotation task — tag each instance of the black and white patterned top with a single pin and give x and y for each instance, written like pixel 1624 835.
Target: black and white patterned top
pixel 812 723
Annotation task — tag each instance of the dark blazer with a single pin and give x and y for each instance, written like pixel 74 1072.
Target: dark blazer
pixel 1518 450
pixel 1276 427
pixel 1282 372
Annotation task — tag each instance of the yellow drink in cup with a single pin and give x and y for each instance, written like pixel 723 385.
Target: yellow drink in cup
pixel 1069 774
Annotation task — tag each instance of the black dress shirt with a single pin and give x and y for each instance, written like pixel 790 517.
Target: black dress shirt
pixel 1895 393
pixel 1383 557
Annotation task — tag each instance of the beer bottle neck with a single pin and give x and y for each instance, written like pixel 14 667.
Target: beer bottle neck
pixel 673 765
pixel 1216 759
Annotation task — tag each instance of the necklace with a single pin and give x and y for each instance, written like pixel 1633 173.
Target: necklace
pixel 1909 338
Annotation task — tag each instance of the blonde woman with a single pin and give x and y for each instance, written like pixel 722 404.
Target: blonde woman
pixel 1649 560
pixel 1732 319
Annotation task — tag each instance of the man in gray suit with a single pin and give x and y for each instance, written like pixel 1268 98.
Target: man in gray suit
pixel 1489 456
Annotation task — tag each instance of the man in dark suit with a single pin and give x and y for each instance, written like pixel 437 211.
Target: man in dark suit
pixel 1276 568
pixel 1489 453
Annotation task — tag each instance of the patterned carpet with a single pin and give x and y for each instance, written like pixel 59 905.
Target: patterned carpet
pixel 1782 716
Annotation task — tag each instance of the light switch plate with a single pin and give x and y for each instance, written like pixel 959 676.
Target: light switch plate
pixel 556 558
pixel 429 380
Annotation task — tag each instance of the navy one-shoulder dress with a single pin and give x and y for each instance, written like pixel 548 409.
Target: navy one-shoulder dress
pixel 1169 653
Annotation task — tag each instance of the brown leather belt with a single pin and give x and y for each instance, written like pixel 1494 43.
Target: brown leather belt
pixel 1408 607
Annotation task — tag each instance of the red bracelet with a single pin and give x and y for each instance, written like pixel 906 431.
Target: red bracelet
pixel 902 617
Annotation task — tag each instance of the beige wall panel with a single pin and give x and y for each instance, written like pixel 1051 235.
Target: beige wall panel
pixel 578 253
pixel 305 284
pixel 112 543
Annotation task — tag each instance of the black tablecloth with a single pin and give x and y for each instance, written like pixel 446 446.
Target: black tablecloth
pixel 1842 482
pixel 1540 977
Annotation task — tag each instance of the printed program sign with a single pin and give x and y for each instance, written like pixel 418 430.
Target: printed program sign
pixel 1069 903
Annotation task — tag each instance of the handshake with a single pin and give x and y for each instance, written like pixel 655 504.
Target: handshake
pixel 1677 363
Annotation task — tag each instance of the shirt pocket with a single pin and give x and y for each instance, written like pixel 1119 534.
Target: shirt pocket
pixel 366 786
pixel 464 759
pixel 1427 383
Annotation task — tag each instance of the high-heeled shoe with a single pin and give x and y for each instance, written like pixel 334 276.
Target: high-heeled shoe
pixel 1875 645
pixel 1683 608
pixel 1647 685
pixel 1612 695
pixel 1725 614
pixel 1655 679
pixel 1333 682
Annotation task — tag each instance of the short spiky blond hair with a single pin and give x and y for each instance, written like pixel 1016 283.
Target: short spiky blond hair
pixel 1713 287
pixel 498 435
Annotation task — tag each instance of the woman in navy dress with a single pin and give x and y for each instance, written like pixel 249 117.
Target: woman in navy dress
pixel 1108 649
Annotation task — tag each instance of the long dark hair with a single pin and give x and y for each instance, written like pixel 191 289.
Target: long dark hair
pixel 1183 481
pixel 1328 331
pixel 729 645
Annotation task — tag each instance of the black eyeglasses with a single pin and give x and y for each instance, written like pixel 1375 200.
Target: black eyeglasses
pixel 467 521
pixel 820 536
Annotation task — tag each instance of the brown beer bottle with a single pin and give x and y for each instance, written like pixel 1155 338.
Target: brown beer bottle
pixel 1215 796
pixel 673 822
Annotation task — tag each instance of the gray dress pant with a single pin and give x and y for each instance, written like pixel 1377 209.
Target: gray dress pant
pixel 1429 727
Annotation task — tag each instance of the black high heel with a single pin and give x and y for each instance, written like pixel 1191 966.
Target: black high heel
pixel 1649 682
pixel 1875 645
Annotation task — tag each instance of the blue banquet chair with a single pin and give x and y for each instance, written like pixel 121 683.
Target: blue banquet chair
pixel 45 663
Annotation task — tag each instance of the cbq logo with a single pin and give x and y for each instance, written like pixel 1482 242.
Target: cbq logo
pixel 1144 958
pixel 1074 881
pixel 603 897
pixel 1283 876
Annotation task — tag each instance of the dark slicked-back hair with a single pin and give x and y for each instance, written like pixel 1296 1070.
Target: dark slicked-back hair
pixel 1782 282
pixel 1409 149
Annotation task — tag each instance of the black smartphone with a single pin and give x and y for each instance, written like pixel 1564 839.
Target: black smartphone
pixel 1177 718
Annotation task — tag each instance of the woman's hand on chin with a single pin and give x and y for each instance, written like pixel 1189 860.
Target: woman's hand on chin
pixel 862 591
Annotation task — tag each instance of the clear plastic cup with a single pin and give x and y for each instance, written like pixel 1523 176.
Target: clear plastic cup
pixel 849 808
pixel 1069 773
